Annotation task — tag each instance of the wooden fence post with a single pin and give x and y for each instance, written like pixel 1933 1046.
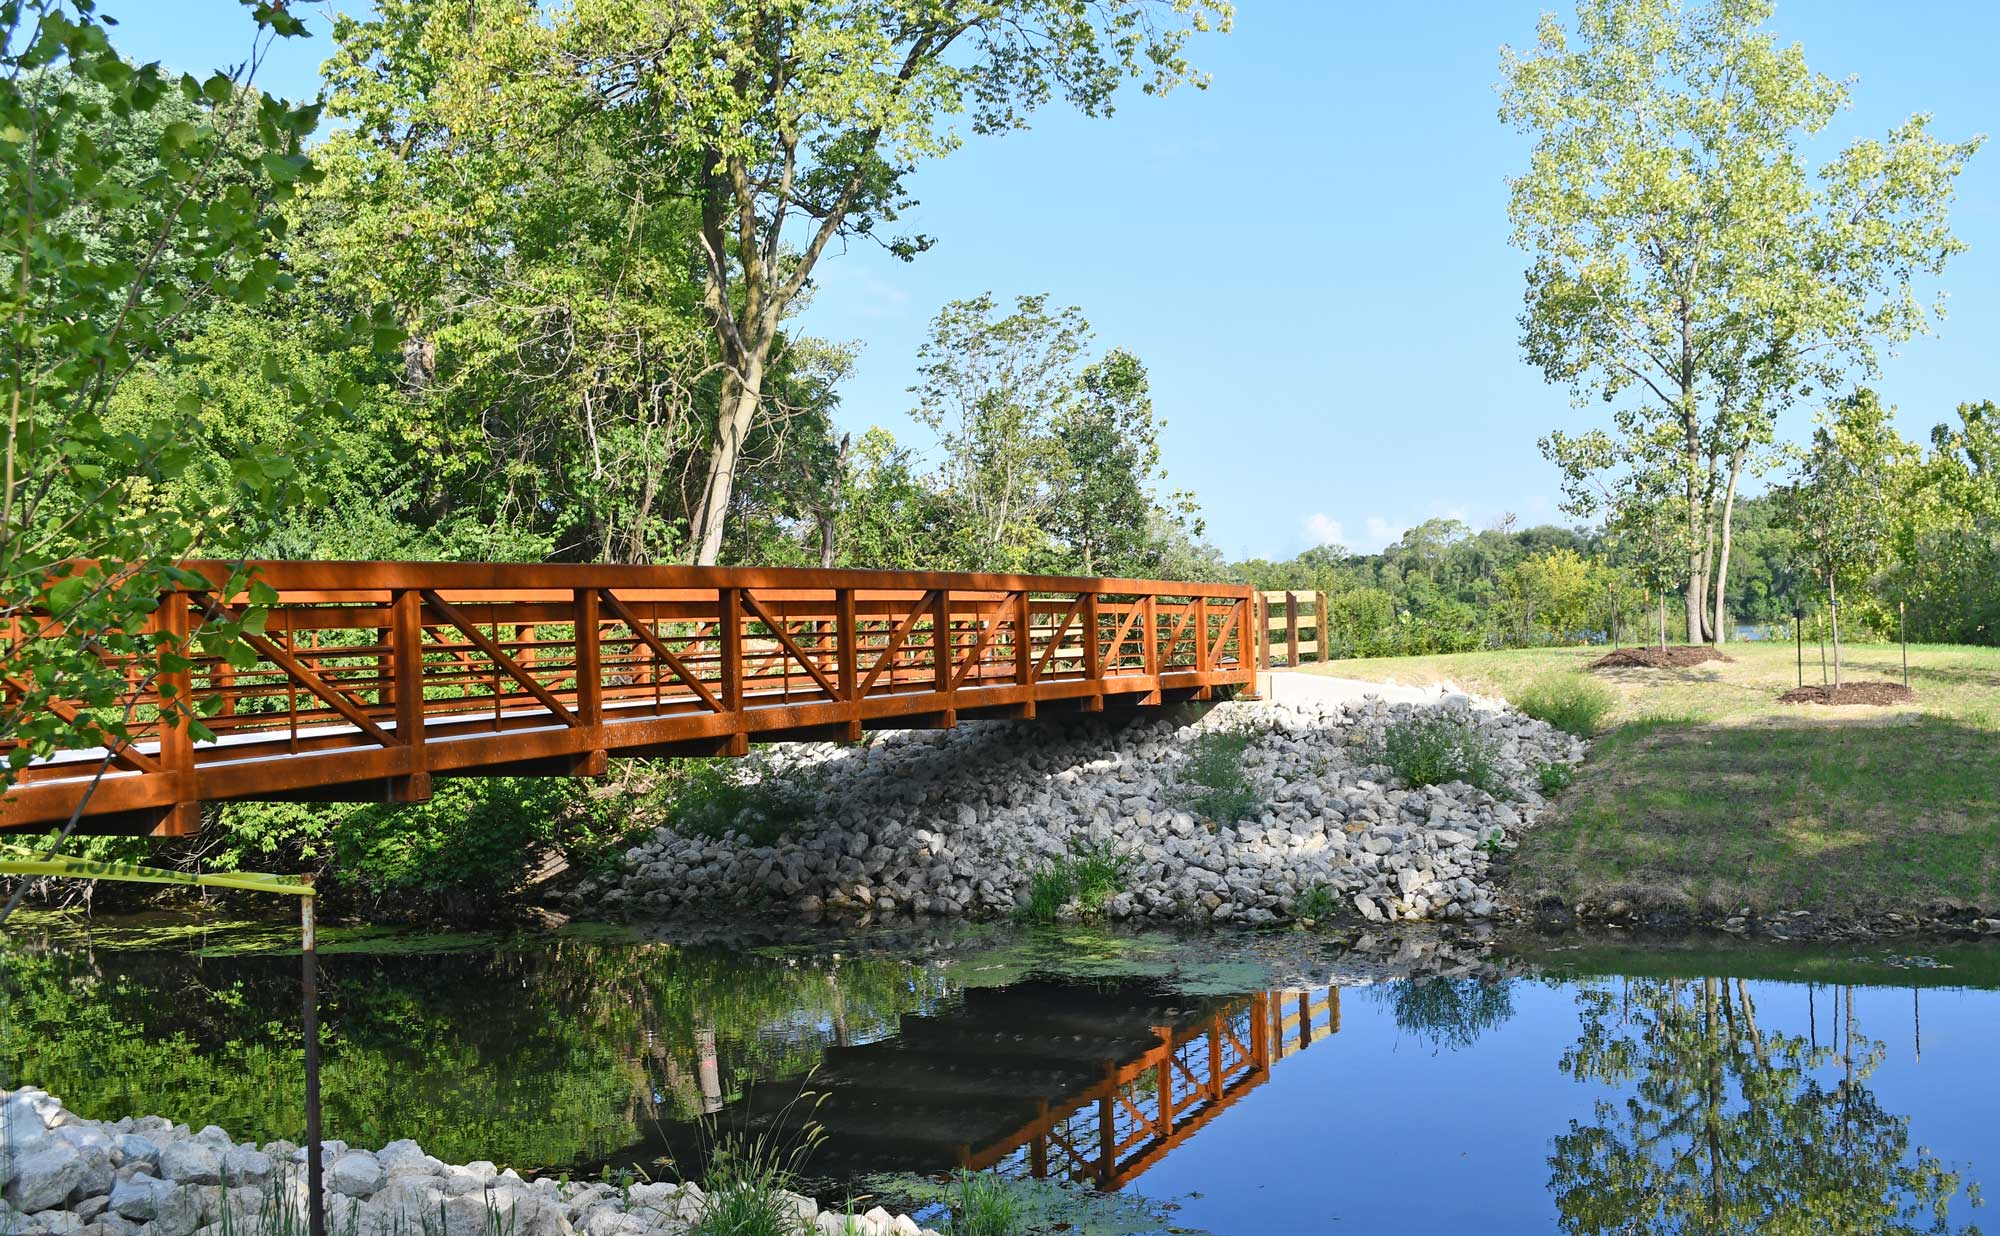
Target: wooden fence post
pixel 1292 628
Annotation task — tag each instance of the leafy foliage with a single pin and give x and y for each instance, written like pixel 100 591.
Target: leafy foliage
pixel 137 206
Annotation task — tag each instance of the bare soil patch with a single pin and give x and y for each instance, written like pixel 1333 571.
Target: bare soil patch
pixel 1676 656
pixel 1879 693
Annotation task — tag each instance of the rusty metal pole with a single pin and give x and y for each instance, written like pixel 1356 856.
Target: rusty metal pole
pixel 309 966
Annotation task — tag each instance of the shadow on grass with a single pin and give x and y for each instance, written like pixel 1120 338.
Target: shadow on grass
pixel 1846 819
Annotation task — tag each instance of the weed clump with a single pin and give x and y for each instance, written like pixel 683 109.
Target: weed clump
pixel 1091 874
pixel 1436 745
pixel 982 1204
pixel 1554 778
pixel 1213 784
pixel 747 1188
pixel 1316 903
pixel 1570 702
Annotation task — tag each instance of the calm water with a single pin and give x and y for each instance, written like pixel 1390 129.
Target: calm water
pixel 1579 1089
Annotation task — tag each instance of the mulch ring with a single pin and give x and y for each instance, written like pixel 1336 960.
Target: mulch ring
pixel 1674 656
pixel 1851 693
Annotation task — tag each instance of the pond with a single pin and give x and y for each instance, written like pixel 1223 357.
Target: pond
pixel 1277 1083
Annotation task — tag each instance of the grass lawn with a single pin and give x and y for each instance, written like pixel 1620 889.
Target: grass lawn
pixel 1707 795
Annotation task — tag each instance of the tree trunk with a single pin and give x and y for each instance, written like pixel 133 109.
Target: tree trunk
pixel 1722 563
pixel 829 514
pixel 1833 605
pixel 1663 620
pixel 730 430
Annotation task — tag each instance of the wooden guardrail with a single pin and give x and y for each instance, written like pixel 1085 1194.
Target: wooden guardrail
pixel 1282 621
pixel 368 678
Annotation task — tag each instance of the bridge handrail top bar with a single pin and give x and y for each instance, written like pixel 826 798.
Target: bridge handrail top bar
pixel 368 576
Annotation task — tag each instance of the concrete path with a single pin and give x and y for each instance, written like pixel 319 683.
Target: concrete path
pixel 1294 687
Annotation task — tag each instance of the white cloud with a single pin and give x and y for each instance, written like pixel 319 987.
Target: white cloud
pixel 1324 530
pixel 1379 532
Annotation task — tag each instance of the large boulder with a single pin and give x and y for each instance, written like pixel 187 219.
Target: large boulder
pixel 358 1173
pixel 44 1178
pixel 187 1161
pixel 138 1197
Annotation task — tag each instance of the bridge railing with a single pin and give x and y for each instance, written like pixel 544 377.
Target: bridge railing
pixel 364 678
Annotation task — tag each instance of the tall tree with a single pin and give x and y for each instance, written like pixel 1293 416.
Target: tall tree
pixel 993 388
pixel 799 123
pixel 1690 267
pixel 1105 511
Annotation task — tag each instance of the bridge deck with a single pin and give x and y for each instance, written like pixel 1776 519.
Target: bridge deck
pixel 368 678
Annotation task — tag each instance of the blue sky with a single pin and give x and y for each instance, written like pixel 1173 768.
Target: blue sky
pixel 1311 256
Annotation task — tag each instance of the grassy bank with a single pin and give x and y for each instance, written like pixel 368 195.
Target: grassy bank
pixel 1708 796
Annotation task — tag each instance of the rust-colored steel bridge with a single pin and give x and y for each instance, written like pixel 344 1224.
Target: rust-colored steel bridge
pixel 365 679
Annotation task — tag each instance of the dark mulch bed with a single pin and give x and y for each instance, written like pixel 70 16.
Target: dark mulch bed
pixel 1851 693
pixel 1674 656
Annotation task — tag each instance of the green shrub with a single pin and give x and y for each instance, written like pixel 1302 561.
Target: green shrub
pixel 1213 784
pixel 1436 745
pixel 982 1204
pixel 1316 903
pixel 1573 703
pixel 1091 874
pixel 1555 778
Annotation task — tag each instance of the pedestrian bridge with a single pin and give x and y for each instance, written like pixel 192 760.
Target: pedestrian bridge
pixel 366 679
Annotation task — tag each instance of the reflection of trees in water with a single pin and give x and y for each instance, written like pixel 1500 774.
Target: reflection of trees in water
pixel 538 1058
pixel 1448 1013
pixel 1725 1127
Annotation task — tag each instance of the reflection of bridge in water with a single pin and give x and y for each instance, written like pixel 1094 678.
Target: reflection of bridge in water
pixel 1045 1079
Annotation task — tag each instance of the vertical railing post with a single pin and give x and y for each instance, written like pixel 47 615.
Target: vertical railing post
pixel 1291 628
pixel 1204 654
pixel 587 607
pixel 406 680
pixel 1024 660
pixel 1093 668
pixel 173 693
pixel 1149 614
pixel 1024 625
pixel 941 649
pixel 847 657
pixel 729 643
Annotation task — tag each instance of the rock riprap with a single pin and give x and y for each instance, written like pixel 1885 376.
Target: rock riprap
pixel 958 822
pixel 62 1175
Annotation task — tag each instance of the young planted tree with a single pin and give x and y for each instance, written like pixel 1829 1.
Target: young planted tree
pixel 1691 266
pixel 1843 501
pixel 796 126
pixel 114 251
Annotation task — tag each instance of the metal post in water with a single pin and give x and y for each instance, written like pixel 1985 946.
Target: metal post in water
pixel 309 964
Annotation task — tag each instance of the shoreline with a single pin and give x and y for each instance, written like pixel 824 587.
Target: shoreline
pixel 64 1175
